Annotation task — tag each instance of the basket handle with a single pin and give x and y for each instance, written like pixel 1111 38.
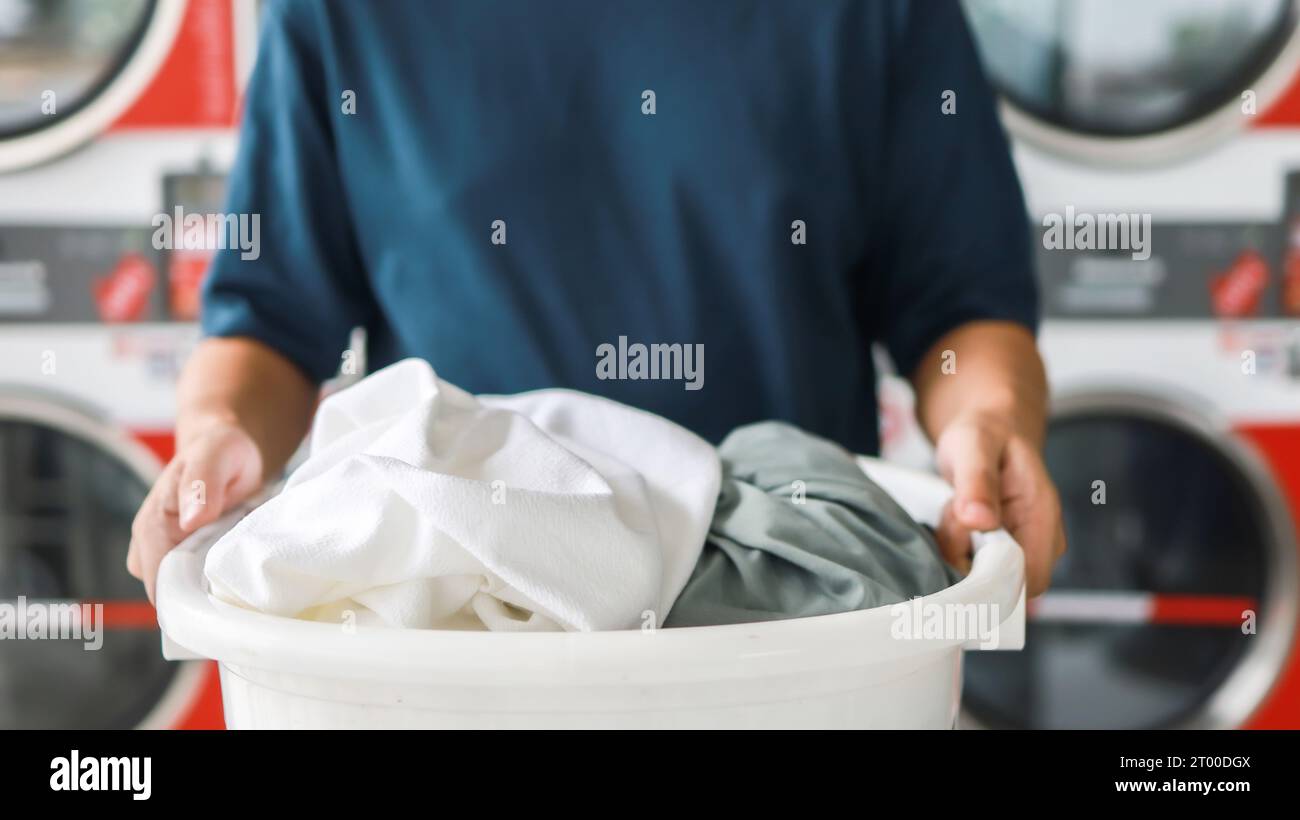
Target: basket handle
pixel 180 585
pixel 998 564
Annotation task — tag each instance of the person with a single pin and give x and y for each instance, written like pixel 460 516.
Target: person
pixel 512 190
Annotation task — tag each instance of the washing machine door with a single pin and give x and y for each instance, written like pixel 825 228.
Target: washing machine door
pixel 1116 81
pixel 1176 602
pixel 69 489
pixel 70 68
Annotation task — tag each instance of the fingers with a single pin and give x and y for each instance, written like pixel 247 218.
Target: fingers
pixel 1033 515
pixel 999 481
pixel 154 531
pixel 1038 535
pixel 954 539
pixel 133 554
pixel 212 473
pixel 970 458
pixel 218 472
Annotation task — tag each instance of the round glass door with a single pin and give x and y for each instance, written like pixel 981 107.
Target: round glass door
pixel 1160 598
pixel 1116 68
pixel 70 68
pixel 57 55
pixel 66 506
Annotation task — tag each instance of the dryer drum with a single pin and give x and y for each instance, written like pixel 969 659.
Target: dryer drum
pixel 69 489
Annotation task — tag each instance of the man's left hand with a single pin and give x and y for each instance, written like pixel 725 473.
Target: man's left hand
pixel 1000 481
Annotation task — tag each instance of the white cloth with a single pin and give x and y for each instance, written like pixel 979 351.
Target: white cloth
pixel 421 505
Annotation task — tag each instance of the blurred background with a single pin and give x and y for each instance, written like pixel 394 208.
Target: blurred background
pixel 1176 379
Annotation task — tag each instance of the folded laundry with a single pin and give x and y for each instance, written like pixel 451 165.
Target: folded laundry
pixel 421 505
pixel 800 530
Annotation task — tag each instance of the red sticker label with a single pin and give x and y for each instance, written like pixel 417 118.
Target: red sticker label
pixel 122 295
pixel 1237 291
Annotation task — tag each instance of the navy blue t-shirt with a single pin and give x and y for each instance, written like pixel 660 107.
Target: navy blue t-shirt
pixel 505 188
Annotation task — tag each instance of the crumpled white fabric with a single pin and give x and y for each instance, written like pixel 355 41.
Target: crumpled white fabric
pixel 423 506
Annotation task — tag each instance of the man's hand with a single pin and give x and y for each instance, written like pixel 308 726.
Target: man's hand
pixel 982 396
pixel 243 409
pixel 999 481
pixel 213 471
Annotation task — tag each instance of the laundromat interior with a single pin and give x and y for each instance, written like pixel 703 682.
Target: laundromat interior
pixel 1173 362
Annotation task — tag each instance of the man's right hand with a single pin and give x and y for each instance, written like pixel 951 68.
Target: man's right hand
pixel 215 469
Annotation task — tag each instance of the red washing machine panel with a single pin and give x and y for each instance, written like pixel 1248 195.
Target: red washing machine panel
pixel 162 443
pixel 1285 111
pixel 1279 446
pixel 205 710
pixel 196 87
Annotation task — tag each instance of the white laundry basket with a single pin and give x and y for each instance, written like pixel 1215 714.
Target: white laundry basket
pixel 873 668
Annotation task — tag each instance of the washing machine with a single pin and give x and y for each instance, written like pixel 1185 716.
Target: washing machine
pixel 111 112
pixel 1174 362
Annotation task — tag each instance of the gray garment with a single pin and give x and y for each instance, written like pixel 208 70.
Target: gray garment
pixel 847 546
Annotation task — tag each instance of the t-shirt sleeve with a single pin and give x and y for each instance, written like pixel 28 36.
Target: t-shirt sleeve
pixel 958 246
pixel 306 288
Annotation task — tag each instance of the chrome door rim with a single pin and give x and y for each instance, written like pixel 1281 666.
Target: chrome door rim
pixel 120 93
pixel 1165 147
